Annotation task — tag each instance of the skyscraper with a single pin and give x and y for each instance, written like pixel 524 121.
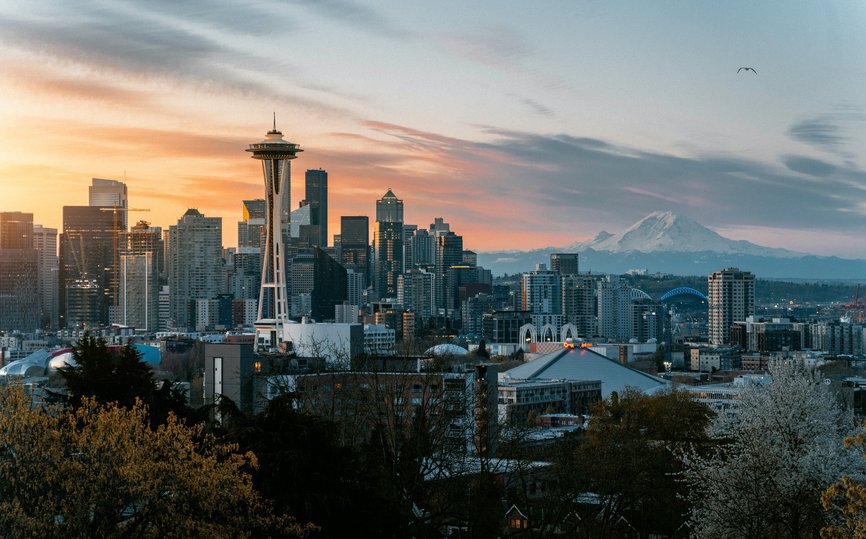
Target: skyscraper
pixel 16 230
pixel 316 193
pixel 276 154
pixel 87 265
pixel 195 269
pixel 541 291
pixel 449 253
pixel 45 243
pixel 355 244
pixel 141 261
pixel 109 194
pixel 388 241
pixel 731 295
pixel 251 229
pixel 19 292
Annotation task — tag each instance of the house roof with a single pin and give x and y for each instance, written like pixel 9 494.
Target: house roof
pixel 584 364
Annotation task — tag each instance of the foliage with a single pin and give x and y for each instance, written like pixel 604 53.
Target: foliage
pixel 121 378
pixel 627 461
pixel 102 471
pixel 781 448
pixel 845 500
pixel 305 472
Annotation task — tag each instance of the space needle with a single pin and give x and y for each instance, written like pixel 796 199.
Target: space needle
pixel 275 153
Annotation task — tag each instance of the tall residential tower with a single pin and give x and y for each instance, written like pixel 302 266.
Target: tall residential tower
pixel 731 295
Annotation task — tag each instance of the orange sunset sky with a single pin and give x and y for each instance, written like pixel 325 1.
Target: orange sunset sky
pixel 522 128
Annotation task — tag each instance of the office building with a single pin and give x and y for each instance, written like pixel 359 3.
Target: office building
pixel 388 242
pixel 109 194
pixel 316 194
pixel 319 276
pixel 731 297
pixel 449 253
pixel 247 273
pixel 195 264
pixel 251 230
pixel 88 263
pixel 19 279
pixel 355 245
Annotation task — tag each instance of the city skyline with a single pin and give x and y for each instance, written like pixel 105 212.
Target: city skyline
pixel 523 128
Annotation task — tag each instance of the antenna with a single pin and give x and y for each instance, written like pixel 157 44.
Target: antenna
pixel 275 120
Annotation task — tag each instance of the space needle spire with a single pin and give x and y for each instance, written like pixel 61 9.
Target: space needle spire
pixel 275 153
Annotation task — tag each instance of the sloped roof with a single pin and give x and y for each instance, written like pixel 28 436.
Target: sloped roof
pixel 584 364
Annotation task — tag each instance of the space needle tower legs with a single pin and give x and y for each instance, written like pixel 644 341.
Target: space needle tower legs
pixel 275 153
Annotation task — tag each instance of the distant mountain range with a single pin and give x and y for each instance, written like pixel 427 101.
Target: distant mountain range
pixel 664 242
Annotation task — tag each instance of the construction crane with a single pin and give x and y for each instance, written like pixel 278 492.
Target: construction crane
pixel 854 310
pixel 115 280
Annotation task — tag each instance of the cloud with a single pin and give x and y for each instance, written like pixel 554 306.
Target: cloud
pixel 563 184
pixel 827 132
pixel 138 44
pixel 819 132
pixel 537 107
pixel 806 165
pixel 356 14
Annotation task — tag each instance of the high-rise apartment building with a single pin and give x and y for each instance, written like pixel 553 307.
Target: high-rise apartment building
pixel 416 292
pixel 731 298
pixel 109 194
pixel 614 298
pixel 316 194
pixel 141 263
pixel 88 265
pixel 388 242
pixel 579 303
pixel 195 270
pixel 541 291
pixel 564 263
pixel 647 320
pixel 45 243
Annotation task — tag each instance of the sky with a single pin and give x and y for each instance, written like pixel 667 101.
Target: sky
pixel 524 125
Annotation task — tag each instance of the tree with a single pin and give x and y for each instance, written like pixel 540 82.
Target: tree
pixel 121 378
pixel 779 450
pixel 102 471
pixel 845 500
pixel 626 463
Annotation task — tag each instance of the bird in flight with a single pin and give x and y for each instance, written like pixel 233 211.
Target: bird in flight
pixel 752 69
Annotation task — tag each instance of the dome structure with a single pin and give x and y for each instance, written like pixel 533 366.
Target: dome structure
pixel 446 349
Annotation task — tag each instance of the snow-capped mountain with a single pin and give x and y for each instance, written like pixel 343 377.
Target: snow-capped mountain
pixel 669 232
pixel 668 243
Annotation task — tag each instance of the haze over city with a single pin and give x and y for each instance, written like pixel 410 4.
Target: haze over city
pixel 522 126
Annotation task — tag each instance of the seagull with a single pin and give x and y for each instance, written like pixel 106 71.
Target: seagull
pixel 752 69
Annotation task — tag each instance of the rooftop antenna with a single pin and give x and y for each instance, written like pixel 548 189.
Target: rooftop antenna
pixel 275 120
